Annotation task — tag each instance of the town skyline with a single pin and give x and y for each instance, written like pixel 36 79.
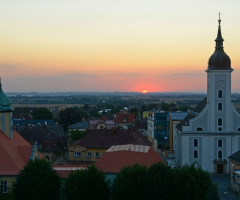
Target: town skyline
pixel 125 46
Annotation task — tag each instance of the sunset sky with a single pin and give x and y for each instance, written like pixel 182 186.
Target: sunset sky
pixel 114 45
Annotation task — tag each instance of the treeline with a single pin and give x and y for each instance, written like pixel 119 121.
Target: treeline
pixel 39 181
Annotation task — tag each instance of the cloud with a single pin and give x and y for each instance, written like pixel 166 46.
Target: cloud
pixel 8 66
pixel 79 75
pixel 181 75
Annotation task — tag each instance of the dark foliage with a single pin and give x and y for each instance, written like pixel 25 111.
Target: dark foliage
pixel 130 184
pixel 68 117
pixel 75 135
pixel 160 182
pixel 87 184
pixel 42 113
pixel 37 181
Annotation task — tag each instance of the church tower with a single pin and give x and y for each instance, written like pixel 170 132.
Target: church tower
pixel 6 122
pixel 219 88
pixel 211 132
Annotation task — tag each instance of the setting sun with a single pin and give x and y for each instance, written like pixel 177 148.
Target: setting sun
pixel 144 91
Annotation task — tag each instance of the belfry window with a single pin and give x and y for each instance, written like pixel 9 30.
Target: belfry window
pixel 199 129
pixel 220 94
pixel 195 142
pixel 195 154
pixel 219 121
pixel 220 143
pixel 219 106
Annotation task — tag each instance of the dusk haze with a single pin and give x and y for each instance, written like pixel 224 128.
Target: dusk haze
pixel 105 46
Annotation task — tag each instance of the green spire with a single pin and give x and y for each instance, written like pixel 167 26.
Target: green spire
pixel 5 105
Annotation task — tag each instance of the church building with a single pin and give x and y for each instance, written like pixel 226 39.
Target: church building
pixel 15 152
pixel 211 133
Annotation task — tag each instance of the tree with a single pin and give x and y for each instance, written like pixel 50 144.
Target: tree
pixel 75 135
pixel 160 182
pixel 68 117
pixel 42 113
pixel 89 184
pixel 37 180
pixel 191 183
pixel 130 184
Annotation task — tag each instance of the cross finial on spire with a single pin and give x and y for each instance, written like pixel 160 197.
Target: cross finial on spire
pixel 219 20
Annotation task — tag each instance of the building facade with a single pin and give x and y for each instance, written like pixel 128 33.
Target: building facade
pixel 211 133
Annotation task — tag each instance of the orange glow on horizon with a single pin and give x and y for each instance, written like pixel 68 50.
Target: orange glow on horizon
pixel 144 91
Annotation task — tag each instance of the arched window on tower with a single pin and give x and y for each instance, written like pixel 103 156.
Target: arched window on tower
pixel 199 129
pixel 220 143
pixel 219 93
pixel 195 154
pixel 219 121
pixel 195 142
pixel 219 106
pixel 219 154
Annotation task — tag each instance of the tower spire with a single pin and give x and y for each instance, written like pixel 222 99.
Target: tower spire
pixel 219 40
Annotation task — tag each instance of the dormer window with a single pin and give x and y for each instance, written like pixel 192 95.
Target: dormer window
pixel 220 94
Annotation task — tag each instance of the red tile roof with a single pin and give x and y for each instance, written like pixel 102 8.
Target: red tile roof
pixel 125 118
pixel 114 161
pixel 105 138
pixel 14 154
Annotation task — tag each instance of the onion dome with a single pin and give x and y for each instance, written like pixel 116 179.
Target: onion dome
pixel 5 105
pixel 219 59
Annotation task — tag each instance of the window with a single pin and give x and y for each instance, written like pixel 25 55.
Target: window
pixel 219 121
pixel 4 186
pixel 220 154
pixel 238 129
pixel 220 143
pixel 89 154
pixel 97 154
pixel 199 129
pixel 77 154
pixel 195 154
pixel 220 94
pixel 195 143
pixel 219 106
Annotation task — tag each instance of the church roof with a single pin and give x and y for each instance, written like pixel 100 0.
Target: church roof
pixel 219 59
pixel 5 105
pixel 192 114
pixel 14 153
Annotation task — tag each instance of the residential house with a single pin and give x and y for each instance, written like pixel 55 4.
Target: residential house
pixel 125 120
pixel 81 126
pixel 53 147
pixel 95 143
pixel 234 171
pixel 101 124
pixel 119 156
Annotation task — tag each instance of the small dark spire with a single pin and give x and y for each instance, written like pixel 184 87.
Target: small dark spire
pixel 219 40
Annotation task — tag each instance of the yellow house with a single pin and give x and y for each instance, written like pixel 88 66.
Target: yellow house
pixel 93 145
